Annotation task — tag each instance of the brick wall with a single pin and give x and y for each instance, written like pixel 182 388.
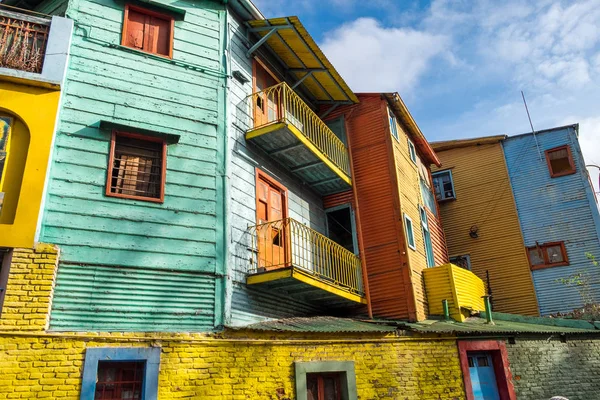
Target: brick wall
pixel 29 289
pixel 545 368
pixel 260 366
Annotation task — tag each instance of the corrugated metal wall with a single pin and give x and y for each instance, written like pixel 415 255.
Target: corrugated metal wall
pixel 484 199
pixel 374 181
pixel 174 239
pixel 250 305
pixel 555 209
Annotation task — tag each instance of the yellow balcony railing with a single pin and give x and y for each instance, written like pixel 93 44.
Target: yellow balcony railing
pixel 288 243
pixel 280 103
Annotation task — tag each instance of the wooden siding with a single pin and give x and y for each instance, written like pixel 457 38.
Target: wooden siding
pixel 484 199
pixel 108 83
pixel 338 199
pixel 374 180
pixel 555 209
pixel 250 305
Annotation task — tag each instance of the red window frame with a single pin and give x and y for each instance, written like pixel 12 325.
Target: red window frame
pixel 547 264
pixel 570 157
pixel 499 355
pixel 111 160
pixel 151 13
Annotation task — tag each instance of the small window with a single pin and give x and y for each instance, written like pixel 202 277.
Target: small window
pixel 411 151
pixel 410 236
pixel 547 255
pixel 120 380
pixel 136 167
pixel 560 161
pixel 393 125
pixel 148 31
pixel 324 386
pixel 443 185
pixel 463 261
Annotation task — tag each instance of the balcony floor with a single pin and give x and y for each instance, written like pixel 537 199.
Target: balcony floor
pixel 301 284
pixel 284 142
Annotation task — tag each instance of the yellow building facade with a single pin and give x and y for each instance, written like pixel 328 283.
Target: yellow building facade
pixel 481 222
pixel 27 120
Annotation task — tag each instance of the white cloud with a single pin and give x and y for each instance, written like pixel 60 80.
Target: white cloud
pixel 373 58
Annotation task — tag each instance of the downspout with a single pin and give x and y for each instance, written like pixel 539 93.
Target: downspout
pixel 361 249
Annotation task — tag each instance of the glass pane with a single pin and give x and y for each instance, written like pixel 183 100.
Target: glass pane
pixel 312 386
pixel 471 363
pixel 330 389
pixel 554 254
pixel 483 362
pixel 535 256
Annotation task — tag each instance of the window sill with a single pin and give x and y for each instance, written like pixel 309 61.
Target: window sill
pixel 131 197
pixel 445 200
pixel 536 267
pixel 562 174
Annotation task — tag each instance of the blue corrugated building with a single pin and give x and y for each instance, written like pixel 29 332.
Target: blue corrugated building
pixel 558 214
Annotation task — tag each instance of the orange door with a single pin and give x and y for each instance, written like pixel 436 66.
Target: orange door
pixel 272 225
pixel 266 104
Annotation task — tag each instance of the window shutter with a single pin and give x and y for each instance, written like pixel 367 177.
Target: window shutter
pixel 135 30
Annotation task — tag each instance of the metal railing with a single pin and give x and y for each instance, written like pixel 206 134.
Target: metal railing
pixel 288 243
pixel 280 103
pixel 23 41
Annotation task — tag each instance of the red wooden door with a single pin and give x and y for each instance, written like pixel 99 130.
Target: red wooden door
pixel 272 229
pixel 265 104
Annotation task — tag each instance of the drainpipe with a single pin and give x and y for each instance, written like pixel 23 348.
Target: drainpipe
pixel 446 310
pixel 488 309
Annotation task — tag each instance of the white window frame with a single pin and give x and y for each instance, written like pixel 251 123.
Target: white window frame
pixel 393 125
pixel 439 173
pixel 410 238
pixel 412 151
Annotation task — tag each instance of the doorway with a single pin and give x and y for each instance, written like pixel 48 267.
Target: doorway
pixel 483 376
pixel 266 104
pixel 341 227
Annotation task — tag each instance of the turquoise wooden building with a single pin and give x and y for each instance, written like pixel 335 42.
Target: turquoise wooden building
pixel 193 181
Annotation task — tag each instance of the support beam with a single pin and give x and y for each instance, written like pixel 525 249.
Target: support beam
pixel 306 166
pixel 286 148
pixel 268 28
pixel 309 73
pixel 260 42
pixel 329 110
pixel 324 181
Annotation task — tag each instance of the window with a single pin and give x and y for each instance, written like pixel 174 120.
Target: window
pixel 325 380
pixel 411 151
pixel 120 380
pixel 410 236
pixel 120 373
pixel 428 198
pixel 393 125
pixel 137 167
pixel 427 238
pixel 560 161
pixel 148 31
pixel 341 227
pixel 547 255
pixel 443 185
pixel 324 386
pixel 463 261
pixel 5 124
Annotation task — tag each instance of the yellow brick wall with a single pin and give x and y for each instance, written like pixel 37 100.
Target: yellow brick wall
pixel 29 289
pixel 259 366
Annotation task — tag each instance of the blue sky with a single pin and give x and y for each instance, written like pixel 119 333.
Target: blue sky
pixel 460 64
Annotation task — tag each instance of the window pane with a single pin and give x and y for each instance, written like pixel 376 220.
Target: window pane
pixel 471 363
pixel 554 254
pixel 535 256
pixel 312 386
pixel 330 388
pixel 483 362
pixel 409 232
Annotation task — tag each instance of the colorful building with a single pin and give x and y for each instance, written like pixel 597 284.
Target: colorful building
pixel 481 221
pixel 558 215
pixel 520 212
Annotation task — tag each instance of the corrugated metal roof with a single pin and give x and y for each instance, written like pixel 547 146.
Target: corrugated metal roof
pixel 300 53
pixel 318 325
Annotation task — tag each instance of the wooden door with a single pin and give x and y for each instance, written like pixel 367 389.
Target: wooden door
pixel 272 232
pixel 483 377
pixel 266 105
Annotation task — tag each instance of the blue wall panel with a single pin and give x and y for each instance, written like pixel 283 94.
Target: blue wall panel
pixel 555 209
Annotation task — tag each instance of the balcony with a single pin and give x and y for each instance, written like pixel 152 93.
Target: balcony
pixel 289 256
pixel 32 48
pixel 290 132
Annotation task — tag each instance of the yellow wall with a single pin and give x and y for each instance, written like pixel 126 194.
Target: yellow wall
pixel 232 365
pixel 36 109
pixel 484 198
pixel 410 200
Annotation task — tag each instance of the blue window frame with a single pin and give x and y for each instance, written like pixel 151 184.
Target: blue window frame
pixel 427 238
pixel 393 125
pixel 411 151
pixel 410 235
pixel 95 355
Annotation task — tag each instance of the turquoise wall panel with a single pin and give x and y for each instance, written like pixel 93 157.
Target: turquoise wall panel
pixel 142 247
pixel 555 209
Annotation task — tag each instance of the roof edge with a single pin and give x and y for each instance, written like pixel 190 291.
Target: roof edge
pixel 478 141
